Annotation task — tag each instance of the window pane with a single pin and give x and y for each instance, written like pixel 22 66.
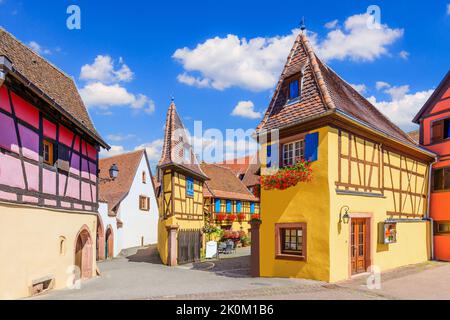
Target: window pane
pixel 438 179
pixel 293 89
pixel 446 129
pixel 447 178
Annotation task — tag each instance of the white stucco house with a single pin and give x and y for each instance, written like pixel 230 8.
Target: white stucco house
pixel 128 211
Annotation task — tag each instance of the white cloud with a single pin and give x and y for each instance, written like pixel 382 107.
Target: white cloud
pixel 448 9
pixel 222 63
pixel 120 137
pixel 153 148
pixel 36 47
pixel 246 109
pixel 356 41
pixel 102 69
pixel 114 151
pixel 103 95
pixel 404 54
pixel 331 24
pixel 193 81
pixel 403 105
pixel 256 63
pixel 361 88
pixel 381 85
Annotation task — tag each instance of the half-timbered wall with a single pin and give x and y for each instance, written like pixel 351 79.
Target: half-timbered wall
pixel 186 207
pixel 71 183
pixel 210 207
pixel 366 167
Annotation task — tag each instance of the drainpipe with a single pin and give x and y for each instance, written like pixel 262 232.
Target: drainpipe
pixel 430 176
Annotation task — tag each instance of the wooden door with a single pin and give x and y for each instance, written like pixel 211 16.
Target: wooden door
pixel 359 245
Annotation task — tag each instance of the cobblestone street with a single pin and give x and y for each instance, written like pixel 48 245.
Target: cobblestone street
pixel 142 276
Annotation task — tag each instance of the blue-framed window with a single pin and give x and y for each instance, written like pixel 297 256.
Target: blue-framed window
pixel 252 207
pixel 217 205
pixel 229 206
pixel 238 206
pixel 294 89
pixel 189 187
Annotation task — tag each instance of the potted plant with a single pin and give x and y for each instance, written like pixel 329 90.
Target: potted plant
pixel 241 217
pixel 231 217
pixel 288 176
pixel 221 217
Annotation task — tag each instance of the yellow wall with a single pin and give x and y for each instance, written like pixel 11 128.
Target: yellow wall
pixel 30 246
pixel 306 202
pixel 412 237
pixel 318 204
pixel 187 212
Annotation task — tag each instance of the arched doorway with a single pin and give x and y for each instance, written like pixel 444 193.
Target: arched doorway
pixel 83 253
pixel 109 243
pixel 100 240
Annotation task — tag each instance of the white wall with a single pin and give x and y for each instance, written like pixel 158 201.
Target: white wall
pixel 138 223
pixel 110 221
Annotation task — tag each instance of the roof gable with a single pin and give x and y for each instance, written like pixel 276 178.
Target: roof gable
pixel 323 91
pixel 52 82
pixel 223 183
pixel 176 143
pixel 441 92
pixel 114 191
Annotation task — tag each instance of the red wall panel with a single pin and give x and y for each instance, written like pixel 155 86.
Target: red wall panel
pixel 4 99
pixel 25 111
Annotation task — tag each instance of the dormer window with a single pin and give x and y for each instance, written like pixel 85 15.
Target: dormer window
pixel 294 89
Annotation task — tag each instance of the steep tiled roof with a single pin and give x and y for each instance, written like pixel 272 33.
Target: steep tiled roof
pixel 52 82
pixel 415 135
pixel 114 191
pixel 323 91
pixel 252 175
pixel 175 144
pixel 224 184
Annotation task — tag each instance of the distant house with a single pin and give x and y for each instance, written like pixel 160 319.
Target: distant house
pixel 48 175
pixel 128 211
pixel 434 134
pixel 247 169
pixel 226 196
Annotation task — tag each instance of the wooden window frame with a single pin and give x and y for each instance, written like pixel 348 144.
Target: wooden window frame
pixel 279 254
pixel 189 179
pixel 437 130
pixel 144 177
pixel 146 206
pixel 51 152
pixel 443 189
pixel 293 143
pixel 436 228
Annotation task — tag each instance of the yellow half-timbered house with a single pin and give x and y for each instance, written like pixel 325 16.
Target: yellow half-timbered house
pixel 180 181
pixel 365 208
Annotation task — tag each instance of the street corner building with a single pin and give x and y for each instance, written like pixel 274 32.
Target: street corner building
pixel 364 202
pixel 180 183
pixel 228 203
pixel 128 210
pixel 434 134
pixel 48 175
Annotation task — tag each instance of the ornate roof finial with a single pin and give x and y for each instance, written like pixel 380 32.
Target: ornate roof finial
pixel 302 25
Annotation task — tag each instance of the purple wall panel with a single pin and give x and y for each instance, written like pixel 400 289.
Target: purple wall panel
pixel 32 172
pixel 49 182
pixel 75 164
pixel 84 169
pixel 11 171
pixel 65 204
pixel 94 194
pixel 50 202
pixel 30 143
pixel 73 188
pixel 8 139
pixel 29 199
pixel 93 171
pixel 62 184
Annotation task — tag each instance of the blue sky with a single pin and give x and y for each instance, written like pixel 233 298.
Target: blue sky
pixel 216 57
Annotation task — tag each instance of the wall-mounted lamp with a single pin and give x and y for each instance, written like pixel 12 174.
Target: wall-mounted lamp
pixel 346 217
pixel 113 171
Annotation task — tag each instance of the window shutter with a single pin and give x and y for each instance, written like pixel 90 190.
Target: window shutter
pixel 228 206
pixel 238 206
pixel 437 133
pixel 252 207
pixel 217 205
pixel 311 146
pixel 269 156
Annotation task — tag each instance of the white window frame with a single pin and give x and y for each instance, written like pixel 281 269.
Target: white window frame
pixel 293 150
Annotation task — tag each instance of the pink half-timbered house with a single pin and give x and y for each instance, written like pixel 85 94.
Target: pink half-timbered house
pixel 48 175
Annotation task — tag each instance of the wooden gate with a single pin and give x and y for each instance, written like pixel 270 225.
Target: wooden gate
pixel 189 246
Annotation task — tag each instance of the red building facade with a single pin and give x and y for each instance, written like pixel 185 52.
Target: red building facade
pixel 434 120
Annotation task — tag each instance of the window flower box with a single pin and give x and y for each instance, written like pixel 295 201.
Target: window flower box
pixel 288 176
